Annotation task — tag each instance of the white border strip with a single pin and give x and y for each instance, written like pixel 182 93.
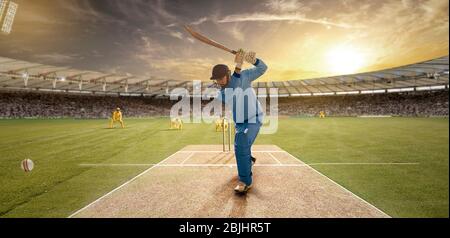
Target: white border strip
pixel 129 181
pixel 376 208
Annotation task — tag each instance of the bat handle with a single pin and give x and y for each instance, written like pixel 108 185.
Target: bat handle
pixel 234 52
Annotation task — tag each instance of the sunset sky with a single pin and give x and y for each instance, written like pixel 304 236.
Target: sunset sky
pixel 298 39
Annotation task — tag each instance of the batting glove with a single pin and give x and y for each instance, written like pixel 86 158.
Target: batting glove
pixel 239 59
pixel 250 57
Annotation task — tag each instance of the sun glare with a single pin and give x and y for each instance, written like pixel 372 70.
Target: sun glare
pixel 345 60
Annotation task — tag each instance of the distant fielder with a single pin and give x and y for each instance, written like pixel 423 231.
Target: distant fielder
pixel 176 124
pixel 322 114
pixel 116 117
pixel 247 112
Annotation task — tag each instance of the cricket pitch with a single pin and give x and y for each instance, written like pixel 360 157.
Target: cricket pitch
pixel 198 182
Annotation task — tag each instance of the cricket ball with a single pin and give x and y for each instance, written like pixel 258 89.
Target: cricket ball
pixel 27 165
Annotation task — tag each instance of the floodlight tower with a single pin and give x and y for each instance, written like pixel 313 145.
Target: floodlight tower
pixel 8 11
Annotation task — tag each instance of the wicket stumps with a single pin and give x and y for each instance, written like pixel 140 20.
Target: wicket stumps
pixel 226 134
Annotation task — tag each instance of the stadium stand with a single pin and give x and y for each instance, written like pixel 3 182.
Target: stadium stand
pixel 414 104
pixel 19 104
pixel 30 90
pixel 17 74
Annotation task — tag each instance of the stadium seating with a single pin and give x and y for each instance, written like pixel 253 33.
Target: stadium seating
pixel 22 104
pixel 424 104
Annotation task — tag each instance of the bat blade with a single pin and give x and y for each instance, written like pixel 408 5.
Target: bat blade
pixel 206 40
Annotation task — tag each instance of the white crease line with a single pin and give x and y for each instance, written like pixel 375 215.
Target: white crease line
pixel 129 181
pixel 190 156
pixel 273 157
pixel 114 165
pixel 363 164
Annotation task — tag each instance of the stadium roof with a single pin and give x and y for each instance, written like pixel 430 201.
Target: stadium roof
pixel 17 74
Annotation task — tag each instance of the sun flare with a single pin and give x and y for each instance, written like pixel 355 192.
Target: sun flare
pixel 345 60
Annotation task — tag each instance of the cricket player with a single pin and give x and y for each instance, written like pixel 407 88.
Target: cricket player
pixel 116 117
pixel 236 93
pixel 177 124
pixel 322 114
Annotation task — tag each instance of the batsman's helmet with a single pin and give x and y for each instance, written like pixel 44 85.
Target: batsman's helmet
pixel 219 71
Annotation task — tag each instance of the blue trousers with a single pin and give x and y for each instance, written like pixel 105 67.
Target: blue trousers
pixel 245 137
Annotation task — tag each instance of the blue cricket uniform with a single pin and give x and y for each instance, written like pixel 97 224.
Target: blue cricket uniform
pixel 247 115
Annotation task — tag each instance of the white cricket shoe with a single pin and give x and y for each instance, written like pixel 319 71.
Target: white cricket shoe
pixel 242 188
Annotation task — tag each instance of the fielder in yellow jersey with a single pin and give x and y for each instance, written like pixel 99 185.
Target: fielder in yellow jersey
pixel 322 114
pixel 116 117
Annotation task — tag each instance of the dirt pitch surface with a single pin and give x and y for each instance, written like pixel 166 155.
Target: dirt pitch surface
pixel 198 182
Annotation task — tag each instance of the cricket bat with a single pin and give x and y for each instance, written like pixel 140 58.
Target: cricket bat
pixel 208 41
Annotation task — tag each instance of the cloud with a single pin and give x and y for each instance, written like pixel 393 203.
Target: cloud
pixel 55 58
pixel 236 32
pixel 264 17
pixel 182 69
pixel 199 21
pixel 96 53
pixel 194 23
pixel 142 36
pixel 177 35
pixel 401 31
pixel 143 10
pixel 279 74
pixel 149 47
pixel 34 17
pixel 190 39
pixel 83 10
pixel 284 5
pixel 127 14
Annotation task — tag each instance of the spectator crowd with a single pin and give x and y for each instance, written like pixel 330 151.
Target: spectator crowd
pixel 412 104
pixel 19 104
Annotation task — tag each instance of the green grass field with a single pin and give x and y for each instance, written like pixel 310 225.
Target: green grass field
pixel 58 186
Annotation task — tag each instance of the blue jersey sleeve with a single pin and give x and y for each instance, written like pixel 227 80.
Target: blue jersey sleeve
pixel 255 72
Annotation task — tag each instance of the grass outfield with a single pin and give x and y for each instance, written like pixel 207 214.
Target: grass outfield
pixel 58 186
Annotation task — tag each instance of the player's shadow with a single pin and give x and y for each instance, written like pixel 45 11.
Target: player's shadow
pixel 225 194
